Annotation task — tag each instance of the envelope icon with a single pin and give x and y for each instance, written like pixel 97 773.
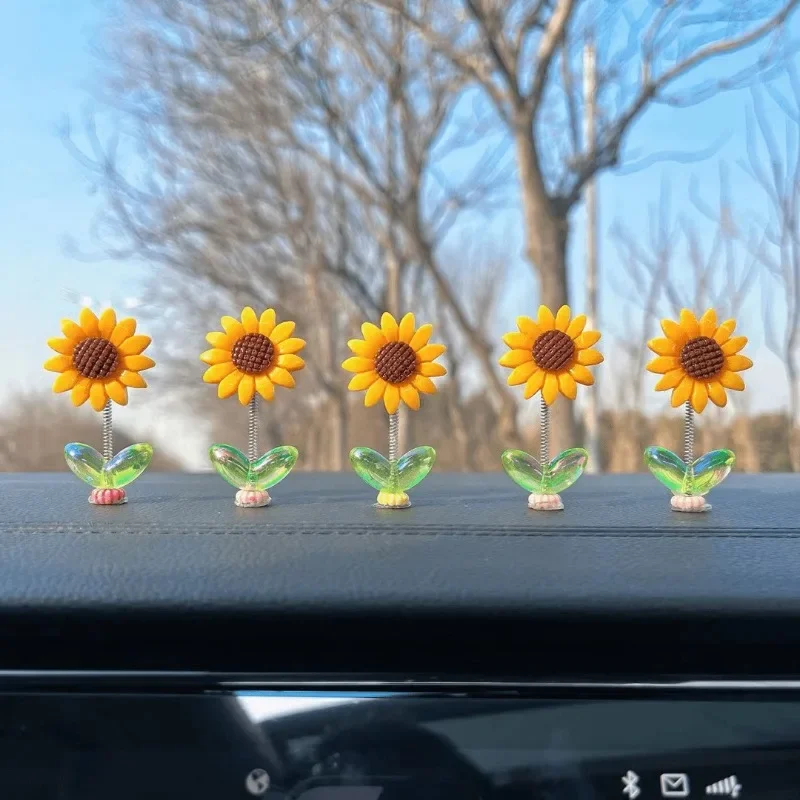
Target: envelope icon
pixel 674 784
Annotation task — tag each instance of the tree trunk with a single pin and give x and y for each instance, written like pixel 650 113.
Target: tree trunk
pixel 546 238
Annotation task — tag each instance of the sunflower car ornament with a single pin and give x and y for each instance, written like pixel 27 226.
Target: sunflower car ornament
pixel 98 360
pixel 698 360
pixel 551 355
pixel 394 363
pixel 249 358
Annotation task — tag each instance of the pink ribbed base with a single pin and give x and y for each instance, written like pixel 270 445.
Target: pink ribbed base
pixel 108 497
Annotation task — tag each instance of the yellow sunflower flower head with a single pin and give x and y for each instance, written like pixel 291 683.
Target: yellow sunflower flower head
pixel 698 359
pixel 394 362
pixel 99 359
pixel 252 355
pixel 552 354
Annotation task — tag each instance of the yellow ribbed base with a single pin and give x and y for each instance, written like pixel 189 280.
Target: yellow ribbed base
pixel 393 500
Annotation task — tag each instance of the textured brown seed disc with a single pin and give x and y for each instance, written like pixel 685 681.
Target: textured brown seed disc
pixel 553 351
pixel 95 357
pixel 396 362
pixel 253 353
pixel 702 358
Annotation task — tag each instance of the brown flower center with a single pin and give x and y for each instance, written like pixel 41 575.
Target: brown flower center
pixel 553 351
pixel 253 353
pixel 396 362
pixel 702 358
pixel 95 357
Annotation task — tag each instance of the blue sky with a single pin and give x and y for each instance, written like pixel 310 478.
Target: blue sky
pixel 46 70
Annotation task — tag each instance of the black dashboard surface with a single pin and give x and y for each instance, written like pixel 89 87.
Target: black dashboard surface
pixel 324 568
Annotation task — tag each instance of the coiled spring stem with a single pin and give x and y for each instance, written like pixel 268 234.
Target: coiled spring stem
pixel 544 435
pixel 108 433
pixel 252 429
pixel 688 434
pixel 394 425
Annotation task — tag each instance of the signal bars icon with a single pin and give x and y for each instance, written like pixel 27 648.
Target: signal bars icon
pixel 729 787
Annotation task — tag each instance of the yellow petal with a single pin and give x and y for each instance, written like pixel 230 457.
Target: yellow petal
pixel 550 388
pixel 674 331
pixel 233 327
pixel 423 384
pixel 682 392
pixel 432 370
pixel 562 318
pixel 514 358
pixel 250 324
pixel 391 399
pixel 365 349
pixel 361 381
pixel 117 392
pixel 264 386
pixel 708 324
pixel 730 380
pixel 689 323
pixel 737 363
pixel 410 396
pixel 247 386
pixel 98 396
pixel 134 345
pixel 724 331
pixel 229 384
pixel 582 375
pixel 587 339
pixel 389 327
pixel 372 333
pixel 267 322
pixel 66 381
pixel 420 338
pixel 123 330
pixel 133 379
pixel 219 371
pixel 406 328
pixel 80 392
pixel 358 364
pixel 430 352
pixel 281 377
pixel 107 323
pixel 699 397
pixel 215 356
pixel 521 374
pixel 138 362
pixel 663 364
pixel 63 346
pixel 535 383
pixel 716 393
pixel 663 347
pixel 734 345
pixel 545 319
pixel 290 346
pixel 89 322
pixel 567 386
pixel 290 362
pixel 527 326
pixel 221 341
pixel 58 364
pixel 589 357
pixel 670 380
pixel 375 393
pixel 72 331
pixel 281 332
pixel 576 327
pixel 518 341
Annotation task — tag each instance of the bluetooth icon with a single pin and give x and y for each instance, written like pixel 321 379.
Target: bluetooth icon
pixel 630 784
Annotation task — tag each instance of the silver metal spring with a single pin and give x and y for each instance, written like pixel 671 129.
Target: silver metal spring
pixel 108 432
pixel 544 434
pixel 252 429
pixel 394 424
pixel 688 434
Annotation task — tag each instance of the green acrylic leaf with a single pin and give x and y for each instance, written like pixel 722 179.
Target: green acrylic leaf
pixel 265 472
pixel 698 479
pixel 124 468
pixel 667 468
pixel 559 474
pixel 379 473
pixel 710 470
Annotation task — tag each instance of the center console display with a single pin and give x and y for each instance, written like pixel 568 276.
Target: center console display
pixel 349 745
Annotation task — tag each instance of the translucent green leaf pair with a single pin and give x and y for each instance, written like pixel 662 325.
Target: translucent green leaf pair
pixel 551 478
pixel 260 474
pixel 695 479
pixel 124 468
pixel 393 477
